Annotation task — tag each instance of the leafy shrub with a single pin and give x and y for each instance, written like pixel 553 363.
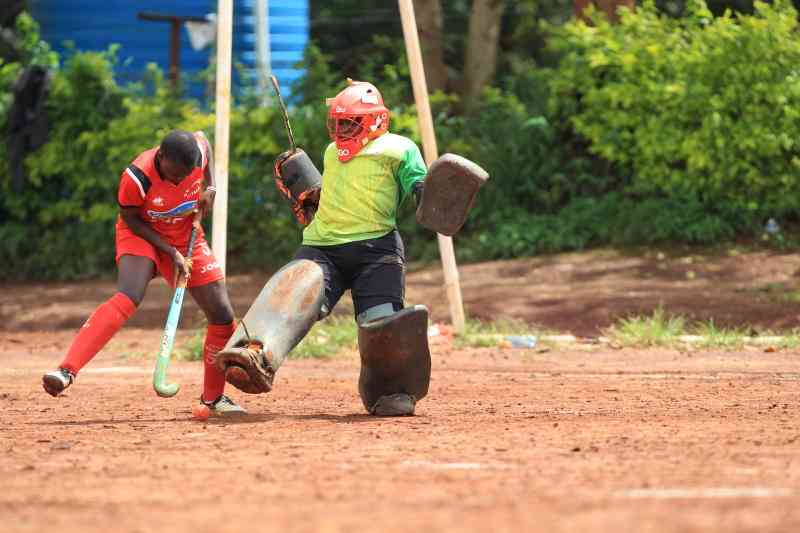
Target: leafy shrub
pixel 697 106
pixel 579 155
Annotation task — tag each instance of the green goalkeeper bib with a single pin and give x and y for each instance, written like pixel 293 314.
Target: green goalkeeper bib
pixel 360 198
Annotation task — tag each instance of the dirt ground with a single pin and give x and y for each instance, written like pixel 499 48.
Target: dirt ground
pixel 579 293
pixel 577 438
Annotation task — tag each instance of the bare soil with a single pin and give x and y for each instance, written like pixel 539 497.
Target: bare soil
pixel 572 439
pixel 579 293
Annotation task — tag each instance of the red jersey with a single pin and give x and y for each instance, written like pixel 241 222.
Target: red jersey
pixel 168 208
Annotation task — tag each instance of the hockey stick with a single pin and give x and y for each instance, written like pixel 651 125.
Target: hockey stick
pixel 285 112
pixel 162 388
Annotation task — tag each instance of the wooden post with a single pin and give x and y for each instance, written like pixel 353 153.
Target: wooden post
pixel 174 40
pixel 431 153
pixel 222 130
pixel 263 52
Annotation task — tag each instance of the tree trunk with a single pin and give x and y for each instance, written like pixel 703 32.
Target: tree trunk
pixel 429 25
pixel 482 45
pixel 608 6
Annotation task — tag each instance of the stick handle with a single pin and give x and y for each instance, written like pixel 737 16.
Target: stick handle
pixel 277 88
pixel 160 384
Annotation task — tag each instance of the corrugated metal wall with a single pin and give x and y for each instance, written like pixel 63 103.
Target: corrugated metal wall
pixel 288 37
pixel 96 24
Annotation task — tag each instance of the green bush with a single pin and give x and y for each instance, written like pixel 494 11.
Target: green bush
pixel 699 106
pixel 651 131
pixel 612 219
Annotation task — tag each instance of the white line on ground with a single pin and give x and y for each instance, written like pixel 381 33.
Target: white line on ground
pixel 714 492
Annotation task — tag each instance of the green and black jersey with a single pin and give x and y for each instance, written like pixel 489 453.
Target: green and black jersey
pixel 360 198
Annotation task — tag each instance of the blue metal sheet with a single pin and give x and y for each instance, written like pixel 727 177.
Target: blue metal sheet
pixel 288 37
pixel 96 24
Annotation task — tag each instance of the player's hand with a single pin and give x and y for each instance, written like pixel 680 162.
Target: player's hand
pixel 207 201
pixel 183 266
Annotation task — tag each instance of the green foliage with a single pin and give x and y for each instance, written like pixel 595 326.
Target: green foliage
pixel 658 329
pixel 34 51
pixel 689 106
pixel 328 337
pixel 717 337
pixel 591 221
pixel 654 130
pixel 191 349
pixel 661 329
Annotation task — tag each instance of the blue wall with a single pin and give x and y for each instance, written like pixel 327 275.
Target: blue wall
pixel 96 24
pixel 288 35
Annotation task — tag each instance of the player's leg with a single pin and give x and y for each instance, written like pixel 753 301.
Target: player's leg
pixel 335 284
pixel 213 299
pixel 134 273
pixel 292 300
pixel 392 341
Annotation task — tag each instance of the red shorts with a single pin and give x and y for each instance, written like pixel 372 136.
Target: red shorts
pixel 205 268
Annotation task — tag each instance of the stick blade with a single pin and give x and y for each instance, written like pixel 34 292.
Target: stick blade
pixel 166 390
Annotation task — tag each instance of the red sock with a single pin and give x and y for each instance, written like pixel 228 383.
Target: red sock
pixel 214 380
pixel 97 331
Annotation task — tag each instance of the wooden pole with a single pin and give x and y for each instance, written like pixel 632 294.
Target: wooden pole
pixel 430 150
pixel 222 131
pixel 263 52
pixel 174 41
pixel 174 53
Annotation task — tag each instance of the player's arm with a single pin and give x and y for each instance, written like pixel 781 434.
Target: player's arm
pixel 411 173
pixel 209 183
pixel 142 229
pixel 131 195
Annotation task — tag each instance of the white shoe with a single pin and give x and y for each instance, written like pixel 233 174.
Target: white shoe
pixel 224 406
pixel 58 381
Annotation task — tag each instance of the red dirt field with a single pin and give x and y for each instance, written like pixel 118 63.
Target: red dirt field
pixel 578 439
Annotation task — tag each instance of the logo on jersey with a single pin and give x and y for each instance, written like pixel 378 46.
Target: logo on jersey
pixel 343 152
pixel 209 267
pixel 158 201
pixel 181 210
pixel 194 190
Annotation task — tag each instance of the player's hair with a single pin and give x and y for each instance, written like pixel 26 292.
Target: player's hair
pixel 181 147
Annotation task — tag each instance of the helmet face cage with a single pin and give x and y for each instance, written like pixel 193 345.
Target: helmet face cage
pixel 345 128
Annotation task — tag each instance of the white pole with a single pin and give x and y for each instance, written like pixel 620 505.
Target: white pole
pixel 263 52
pixel 222 131
pixel 430 150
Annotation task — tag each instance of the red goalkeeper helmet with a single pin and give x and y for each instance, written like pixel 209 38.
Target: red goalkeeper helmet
pixel 356 116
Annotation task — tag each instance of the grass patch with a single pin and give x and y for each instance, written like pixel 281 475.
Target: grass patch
pixel 666 330
pixel 787 340
pixel 191 349
pixel 480 334
pixel 658 329
pixel 715 337
pixel 327 338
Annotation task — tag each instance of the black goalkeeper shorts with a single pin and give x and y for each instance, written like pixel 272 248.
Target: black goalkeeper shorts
pixel 373 270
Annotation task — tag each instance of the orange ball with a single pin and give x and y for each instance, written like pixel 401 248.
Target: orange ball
pixel 200 411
